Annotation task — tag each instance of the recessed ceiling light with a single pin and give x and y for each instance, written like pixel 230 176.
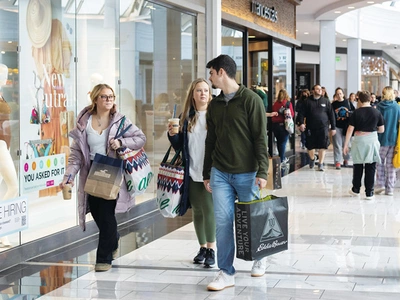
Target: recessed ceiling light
pixel 338 12
pixel 306 32
pixel 374 42
pixel 351 7
pixel 370 2
pixel 10 42
pixel 252 36
pixel 344 40
pixel 297 30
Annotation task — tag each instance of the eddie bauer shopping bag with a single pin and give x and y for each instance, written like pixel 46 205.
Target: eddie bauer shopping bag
pixel 261 227
pixel 274 180
pixel 105 177
pixel 170 185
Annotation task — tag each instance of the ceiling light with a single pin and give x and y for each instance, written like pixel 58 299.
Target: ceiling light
pixel 344 40
pixel 252 36
pixel 306 32
pixel 374 42
pixel 338 12
pixel 370 2
pixel 351 7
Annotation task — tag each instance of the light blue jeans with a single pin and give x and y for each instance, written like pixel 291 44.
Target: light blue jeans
pixel 226 188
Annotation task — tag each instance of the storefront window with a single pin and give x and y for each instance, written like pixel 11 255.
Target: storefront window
pixel 282 69
pixel 157 65
pixel 9 117
pixel 146 52
pixel 282 75
pixel 232 45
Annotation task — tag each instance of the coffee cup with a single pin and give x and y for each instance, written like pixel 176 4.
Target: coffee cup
pixel 174 122
pixel 67 191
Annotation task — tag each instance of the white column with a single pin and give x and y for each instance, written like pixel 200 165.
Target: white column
pixel 353 65
pixel 327 54
pixel 213 23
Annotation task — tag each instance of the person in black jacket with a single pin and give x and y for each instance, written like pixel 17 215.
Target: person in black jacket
pixel 342 109
pixel 319 114
pixel 191 139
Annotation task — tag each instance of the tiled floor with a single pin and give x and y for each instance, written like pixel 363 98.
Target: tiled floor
pixel 340 248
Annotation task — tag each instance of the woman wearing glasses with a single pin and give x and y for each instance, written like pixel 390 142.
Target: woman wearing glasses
pixel 96 127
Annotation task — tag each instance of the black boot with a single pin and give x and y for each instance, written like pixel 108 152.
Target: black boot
pixel 199 258
pixel 209 258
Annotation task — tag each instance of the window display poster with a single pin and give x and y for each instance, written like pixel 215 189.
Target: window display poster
pixel 42 172
pixel 13 215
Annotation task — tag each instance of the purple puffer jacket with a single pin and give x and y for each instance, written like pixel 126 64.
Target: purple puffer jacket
pixel 79 159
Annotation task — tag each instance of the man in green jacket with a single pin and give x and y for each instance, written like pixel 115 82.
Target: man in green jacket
pixel 236 160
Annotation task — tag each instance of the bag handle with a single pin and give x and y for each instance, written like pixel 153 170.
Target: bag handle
pixel 119 128
pixel 173 161
pixel 122 132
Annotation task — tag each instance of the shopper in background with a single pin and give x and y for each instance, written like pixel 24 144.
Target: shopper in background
pixel 97 125
pixel 319 114
pixel 191 139
pixel 342 109
pixel 324 93
pixel 304 95
pixel 353 101
pixel 365 123
pixel 235 162
pixel 386 173
pixel 278 122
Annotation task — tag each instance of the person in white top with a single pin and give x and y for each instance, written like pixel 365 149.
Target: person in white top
pixel 191 139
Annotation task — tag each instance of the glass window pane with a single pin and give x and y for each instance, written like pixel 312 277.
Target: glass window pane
pixel 157 65
pixel 232 45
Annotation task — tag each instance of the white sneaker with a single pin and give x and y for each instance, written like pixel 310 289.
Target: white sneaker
pixel 379 190
pixel 258 268
pixel 221 281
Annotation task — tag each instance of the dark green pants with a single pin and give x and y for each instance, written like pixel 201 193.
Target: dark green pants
pixel 202 212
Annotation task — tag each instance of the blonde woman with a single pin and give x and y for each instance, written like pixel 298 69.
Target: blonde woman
pixel 386 173
pixel 191 139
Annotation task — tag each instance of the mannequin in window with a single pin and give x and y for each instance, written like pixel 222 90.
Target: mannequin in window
pixel 7 169
pixel 5 110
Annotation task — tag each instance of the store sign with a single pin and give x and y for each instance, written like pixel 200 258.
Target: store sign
pixel 13 215
pixel 263 11
pixel 42 172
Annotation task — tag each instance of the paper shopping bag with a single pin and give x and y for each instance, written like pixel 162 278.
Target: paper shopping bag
pixel 261 227
pixel 105 177
pixel 274 181
pixel 137 170
pixel 170 185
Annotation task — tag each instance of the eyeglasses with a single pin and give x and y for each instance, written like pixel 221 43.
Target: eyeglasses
pixel 105 97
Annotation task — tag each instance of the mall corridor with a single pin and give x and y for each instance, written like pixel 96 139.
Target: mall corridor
pixel 340 247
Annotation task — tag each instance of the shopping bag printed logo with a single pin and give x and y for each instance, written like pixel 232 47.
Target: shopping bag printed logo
pixel 271 233
pixel 164 201
pixel 143 183
pixel 102 173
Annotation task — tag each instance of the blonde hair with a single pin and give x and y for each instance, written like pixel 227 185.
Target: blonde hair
pixel 388 93
pixel 95 93
pixel 191 104
pixel 282 95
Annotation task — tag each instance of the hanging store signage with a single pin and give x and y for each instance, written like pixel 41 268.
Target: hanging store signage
pixel 263 11
pixel 13 215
